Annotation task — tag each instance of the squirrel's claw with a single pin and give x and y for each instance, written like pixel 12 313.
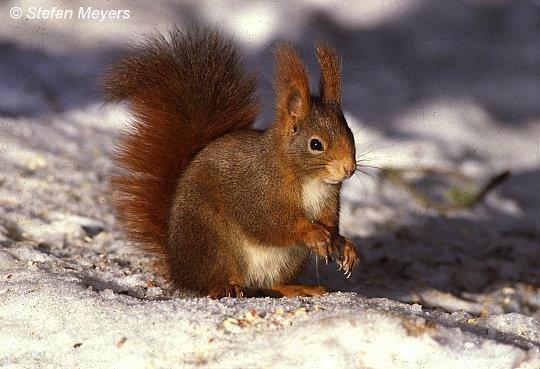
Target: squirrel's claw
pixel 353 265
pixel 327 258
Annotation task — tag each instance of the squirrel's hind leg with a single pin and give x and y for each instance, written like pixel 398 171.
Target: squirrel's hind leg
pixel 226 290
pixel 202 259
pixel 296 290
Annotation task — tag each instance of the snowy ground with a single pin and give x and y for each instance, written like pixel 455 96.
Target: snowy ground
pixel 447 86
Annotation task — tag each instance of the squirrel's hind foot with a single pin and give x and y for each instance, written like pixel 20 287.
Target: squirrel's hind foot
pixel 227 290
pixel 294 290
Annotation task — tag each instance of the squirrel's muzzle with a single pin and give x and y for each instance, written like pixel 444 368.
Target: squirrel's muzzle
pixel 349 170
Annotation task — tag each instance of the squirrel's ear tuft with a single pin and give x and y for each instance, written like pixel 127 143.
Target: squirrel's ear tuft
pixel 330 83
pixel 291 84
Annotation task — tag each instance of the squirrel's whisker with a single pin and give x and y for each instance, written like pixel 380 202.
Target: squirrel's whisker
pixel 379 148
pixel 369 166
pixel 366 173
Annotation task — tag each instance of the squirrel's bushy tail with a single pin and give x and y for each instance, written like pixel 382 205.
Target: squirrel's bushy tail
pixel 183 93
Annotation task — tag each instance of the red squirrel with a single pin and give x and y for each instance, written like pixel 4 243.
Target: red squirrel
pixel 227 208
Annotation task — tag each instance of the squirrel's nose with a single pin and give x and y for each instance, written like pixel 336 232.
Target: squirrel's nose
pixel 349 169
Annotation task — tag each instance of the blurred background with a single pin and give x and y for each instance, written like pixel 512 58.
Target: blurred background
pixel 399 56
pixel 443 96
pixel 425 68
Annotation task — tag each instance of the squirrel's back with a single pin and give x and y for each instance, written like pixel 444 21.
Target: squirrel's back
pixel 183 93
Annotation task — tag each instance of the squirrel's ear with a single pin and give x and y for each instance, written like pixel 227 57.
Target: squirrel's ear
pixel 330 83
pixel 291 84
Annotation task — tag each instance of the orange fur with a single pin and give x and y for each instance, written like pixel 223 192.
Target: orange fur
pixel 330 83
pixel 291 84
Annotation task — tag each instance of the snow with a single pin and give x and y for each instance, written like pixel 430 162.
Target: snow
pixel 452 86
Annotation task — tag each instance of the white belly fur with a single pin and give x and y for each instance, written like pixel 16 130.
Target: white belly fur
pixel 315 195
pixel 266 265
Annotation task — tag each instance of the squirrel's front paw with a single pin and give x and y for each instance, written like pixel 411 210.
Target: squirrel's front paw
pixel 319 240
pixel 347 258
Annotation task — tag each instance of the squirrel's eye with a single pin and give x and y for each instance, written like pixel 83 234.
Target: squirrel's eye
pixel 316 145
